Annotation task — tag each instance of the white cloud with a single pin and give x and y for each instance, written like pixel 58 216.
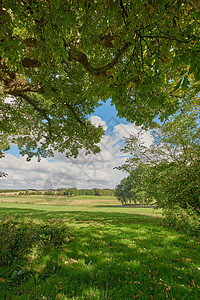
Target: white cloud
pixel 147 138
pixel 126 129
pixel 48 174
pixel 84 172
pixel 95 120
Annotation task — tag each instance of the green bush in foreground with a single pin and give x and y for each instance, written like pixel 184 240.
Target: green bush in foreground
pixel 187 220
pixel 177 185
pixel 18 238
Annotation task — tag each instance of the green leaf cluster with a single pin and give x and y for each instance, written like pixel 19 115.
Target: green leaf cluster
pixel 135 187
pixel 60 58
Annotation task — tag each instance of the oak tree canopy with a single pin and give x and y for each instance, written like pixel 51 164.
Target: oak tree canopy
pixel 58 59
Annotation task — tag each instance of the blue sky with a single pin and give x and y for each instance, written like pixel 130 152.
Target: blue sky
pixel 84 172
pixel 106 111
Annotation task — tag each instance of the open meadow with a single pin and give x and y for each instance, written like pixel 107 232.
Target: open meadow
pixel 90 247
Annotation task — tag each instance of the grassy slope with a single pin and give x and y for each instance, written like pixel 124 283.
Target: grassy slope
pixel 114 253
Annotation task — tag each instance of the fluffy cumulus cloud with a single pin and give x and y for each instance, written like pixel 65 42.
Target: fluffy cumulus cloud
pixel 84 172
pixel 125 130
pixel 95 120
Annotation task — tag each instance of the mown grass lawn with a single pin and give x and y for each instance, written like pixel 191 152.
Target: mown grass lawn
pixel 79 252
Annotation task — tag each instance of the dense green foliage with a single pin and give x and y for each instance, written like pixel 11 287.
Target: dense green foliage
pixel 176 185
pixel 171 185
pixel 176 189
pixel 123 191
pixel 135 187
pixel 59 58
pixel 186 220
pixel 172 161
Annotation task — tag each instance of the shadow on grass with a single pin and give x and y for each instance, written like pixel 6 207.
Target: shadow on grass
pixel 78 215
pixel 115 256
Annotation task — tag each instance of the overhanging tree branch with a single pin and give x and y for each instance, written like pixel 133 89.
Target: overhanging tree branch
pixel 17 87
pixel 74 114
pixel 44 114
pixel 41 111
pixel 30 63
pixel 82 58
pixel 105 41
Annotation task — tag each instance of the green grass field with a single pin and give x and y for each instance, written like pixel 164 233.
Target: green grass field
pixel 91 249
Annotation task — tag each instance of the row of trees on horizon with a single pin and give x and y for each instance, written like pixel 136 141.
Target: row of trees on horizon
pixel 65 192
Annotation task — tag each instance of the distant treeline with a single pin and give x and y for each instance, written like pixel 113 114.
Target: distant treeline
pixel 65 192
pixel 92 192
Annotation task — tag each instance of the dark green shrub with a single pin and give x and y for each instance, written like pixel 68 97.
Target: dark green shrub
pixel 186 220
pixel 177 185
pixel 17 237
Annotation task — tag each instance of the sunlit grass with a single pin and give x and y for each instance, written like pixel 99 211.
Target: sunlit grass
pixel 105 253
pixel 60 200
